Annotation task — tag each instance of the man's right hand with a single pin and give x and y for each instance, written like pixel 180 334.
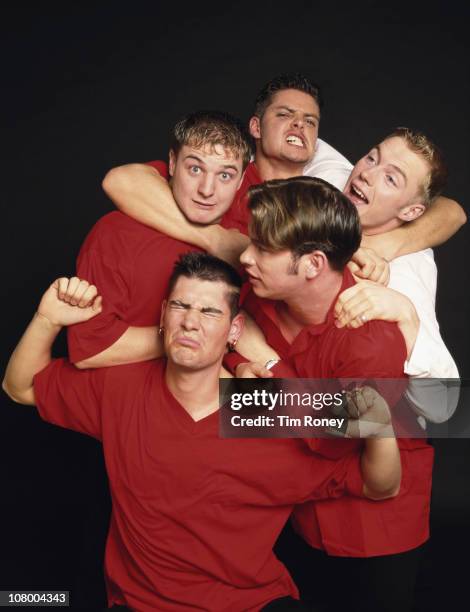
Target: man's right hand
pixel 69 301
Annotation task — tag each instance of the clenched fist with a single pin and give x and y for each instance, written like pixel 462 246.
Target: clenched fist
pixel 69 301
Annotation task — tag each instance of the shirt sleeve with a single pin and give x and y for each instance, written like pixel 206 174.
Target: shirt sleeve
pixel 363 356
pixel 100 263
pixel 70 398
pixel 415 276
pixel 102 331
pixel 329 165
pixel 335 478
pixel 161 167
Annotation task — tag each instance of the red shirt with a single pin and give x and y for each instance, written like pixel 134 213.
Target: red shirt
pixel 238 215
pixel 131 265
pixel 353 527
pixel 194 516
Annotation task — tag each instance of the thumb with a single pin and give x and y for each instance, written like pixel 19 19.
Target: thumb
pixel 97 305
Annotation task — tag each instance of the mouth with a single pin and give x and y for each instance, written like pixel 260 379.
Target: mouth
pixel 187 342
pixel 204 205
pixel 252 278
pixel 295 140
pixel 356 195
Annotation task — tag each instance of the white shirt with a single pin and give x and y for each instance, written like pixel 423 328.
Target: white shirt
pixel 329 165
pixel 415 276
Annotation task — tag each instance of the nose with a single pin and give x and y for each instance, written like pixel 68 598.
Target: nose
pixel 246 258
pixel 298 121
pixel 367 174
pixel 191 319
pixel 206 185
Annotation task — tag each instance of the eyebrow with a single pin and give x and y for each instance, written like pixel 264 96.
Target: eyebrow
pixel 292 110
pixel 201 161
pixel 395 167
pixel 204 309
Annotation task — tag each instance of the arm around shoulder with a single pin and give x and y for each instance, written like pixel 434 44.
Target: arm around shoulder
pixel 439 223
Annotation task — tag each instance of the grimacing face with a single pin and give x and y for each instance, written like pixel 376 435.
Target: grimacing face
pixel 386 184
pixel 204 182
pixel 196 320
pixel 288 129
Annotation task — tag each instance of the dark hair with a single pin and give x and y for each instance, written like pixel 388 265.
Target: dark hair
pixel 293 80
pixel 207 267
pixel 305 214
pixel 420 144
pixel 213 128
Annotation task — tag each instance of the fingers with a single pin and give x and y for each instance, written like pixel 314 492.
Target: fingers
pixel 356 403
pixel 76 291
pixel 88 296
pixel 368 265
pixel 354 307
pixel 355 314
pixel 97 305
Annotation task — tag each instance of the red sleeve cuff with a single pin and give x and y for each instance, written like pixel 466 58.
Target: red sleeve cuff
pixel 85 341
pixel 232 360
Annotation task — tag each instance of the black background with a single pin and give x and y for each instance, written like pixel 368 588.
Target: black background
pixel 85 89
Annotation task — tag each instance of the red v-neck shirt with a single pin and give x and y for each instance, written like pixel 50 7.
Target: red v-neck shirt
pixel 194 516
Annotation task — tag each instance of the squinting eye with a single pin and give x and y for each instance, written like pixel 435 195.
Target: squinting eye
pixel 312 122
pixel 370 158
pixel 390 179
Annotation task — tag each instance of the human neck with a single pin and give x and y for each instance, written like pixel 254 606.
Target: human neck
pixel 270 168
pixel 311 306
pixel 196 390
pixel 388 226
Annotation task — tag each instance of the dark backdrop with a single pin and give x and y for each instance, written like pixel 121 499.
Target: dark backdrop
pixel 87 89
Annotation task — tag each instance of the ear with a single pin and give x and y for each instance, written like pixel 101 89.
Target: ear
pixel 162 313
pixel 236 328
pixel 313 264
pixel 171 162
pixel 411 212
pixel 255 127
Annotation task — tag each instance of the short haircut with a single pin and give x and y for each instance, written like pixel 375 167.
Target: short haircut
pixel 292 80
pixel 305 214
pixel 212 128
pixel 420 144
pixel 206 267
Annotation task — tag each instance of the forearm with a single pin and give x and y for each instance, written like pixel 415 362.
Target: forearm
pixel 439 223
pixel 252 343
pixel 136 344
pixel 32 354
pixel 408 325
pixel 140 192
pixel 381 468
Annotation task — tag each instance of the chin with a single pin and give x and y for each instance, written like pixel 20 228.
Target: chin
pixel 204 218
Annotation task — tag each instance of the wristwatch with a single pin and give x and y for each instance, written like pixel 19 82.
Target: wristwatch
pixel 271 363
